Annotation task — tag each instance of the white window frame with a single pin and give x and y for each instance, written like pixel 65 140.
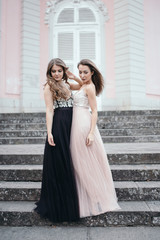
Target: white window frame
pixel 75 27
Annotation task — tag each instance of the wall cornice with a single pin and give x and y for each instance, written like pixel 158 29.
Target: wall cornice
pixel 52 4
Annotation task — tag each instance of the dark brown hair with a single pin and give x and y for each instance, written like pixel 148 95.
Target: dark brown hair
pixel 57 90
pixel 97 77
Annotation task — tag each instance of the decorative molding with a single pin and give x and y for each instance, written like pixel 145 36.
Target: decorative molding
pixel 51 7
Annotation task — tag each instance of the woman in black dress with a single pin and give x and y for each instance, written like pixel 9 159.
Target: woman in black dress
pixel 58 200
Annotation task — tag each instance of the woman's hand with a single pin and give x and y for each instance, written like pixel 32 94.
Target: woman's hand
pixel 90 139
pixel 51 140
pixel 76 79
pixel 70 75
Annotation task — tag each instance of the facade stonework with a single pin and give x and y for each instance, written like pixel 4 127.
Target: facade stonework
pixel 126 52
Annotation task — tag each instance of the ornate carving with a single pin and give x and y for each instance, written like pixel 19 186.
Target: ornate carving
pixel 51 6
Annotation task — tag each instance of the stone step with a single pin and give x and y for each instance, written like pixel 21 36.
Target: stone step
pixel 126 191
pixel 106 139
pixel 136 172
pixel 130 118
pixel 130 132
pixel 119 172
pixel 128 158
pixel 129 113
pixel 100 113
pixel 131 158
pixel 19 120
pixel 118 153
pixel 23 140
pixel 23 126
pixel 101 120
pixel 102 124
pixel 131 139
pixel 26 159
pixel 32 115
pixel 23 133
pixel 103 132
pixel 132 213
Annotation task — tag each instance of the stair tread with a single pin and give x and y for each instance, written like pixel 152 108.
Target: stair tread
pixel 136 167
pixel 101 129
pixel 110 139
pixel 113 167
pixel 126 206
pixel 136 148
pixel 132 136
pixel 111 148
pixel 22 137
pixel 114 136
pixel 118 184
pixel 21 167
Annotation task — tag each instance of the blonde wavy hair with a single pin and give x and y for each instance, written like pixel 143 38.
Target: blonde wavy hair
pixel 57 90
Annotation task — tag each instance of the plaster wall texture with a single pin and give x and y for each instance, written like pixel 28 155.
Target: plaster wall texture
pixel 132 55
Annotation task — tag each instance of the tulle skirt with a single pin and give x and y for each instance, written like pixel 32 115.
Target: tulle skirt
pixel 59 199
pixel 95 185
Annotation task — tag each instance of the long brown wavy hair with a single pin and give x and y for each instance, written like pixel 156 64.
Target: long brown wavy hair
pixel 57 90
pixel 97 77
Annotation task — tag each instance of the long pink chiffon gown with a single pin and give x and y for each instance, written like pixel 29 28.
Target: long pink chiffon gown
pixel 95 185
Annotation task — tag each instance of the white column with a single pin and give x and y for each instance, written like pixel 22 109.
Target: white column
pixel 30 52
pixel 129 54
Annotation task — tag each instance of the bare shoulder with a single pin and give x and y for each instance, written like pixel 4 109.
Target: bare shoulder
pixel 90 89
pixel 46 87
pixel 47 92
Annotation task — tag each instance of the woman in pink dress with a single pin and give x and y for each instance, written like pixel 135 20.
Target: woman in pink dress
pixel 94 181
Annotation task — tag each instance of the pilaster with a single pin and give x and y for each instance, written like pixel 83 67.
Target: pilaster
pixel 129 54
pixel 30 57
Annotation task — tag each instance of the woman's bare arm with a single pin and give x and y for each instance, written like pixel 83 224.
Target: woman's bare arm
pixel 74 86
pixel 91 93
pixel 49 113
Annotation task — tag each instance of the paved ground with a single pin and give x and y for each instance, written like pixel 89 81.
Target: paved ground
pixel 111 148
pixel 79 233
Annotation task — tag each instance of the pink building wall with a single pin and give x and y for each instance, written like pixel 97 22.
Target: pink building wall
pixel 44 45
pixel 10 47
pixel 11 31
pixel 110 51
pixel 152 47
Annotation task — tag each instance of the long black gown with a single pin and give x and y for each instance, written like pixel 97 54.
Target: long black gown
pixel 59 199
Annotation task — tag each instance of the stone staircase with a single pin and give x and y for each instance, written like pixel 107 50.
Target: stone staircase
pixel 115 127
pixel 132 145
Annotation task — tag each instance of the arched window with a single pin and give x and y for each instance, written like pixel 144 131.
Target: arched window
pixel 76 33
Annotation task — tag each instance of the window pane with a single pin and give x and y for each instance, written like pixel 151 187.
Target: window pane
pixel 86 15
pixel 71 69
pixel 66 16
pixel 70 66
pixel 87 45
pixel 65 46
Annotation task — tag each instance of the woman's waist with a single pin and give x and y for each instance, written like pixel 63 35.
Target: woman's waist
pixel 81 110
pixel 63 108
pixel 80 105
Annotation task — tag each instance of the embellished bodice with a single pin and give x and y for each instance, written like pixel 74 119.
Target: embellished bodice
pixel 80 99
pixel 60 103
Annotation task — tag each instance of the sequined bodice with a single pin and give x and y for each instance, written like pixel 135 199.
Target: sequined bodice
pixel 80 99
pixel 60 103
